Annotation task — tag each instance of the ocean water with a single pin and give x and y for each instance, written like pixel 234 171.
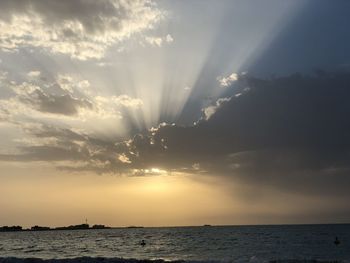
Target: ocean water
pixel 216 243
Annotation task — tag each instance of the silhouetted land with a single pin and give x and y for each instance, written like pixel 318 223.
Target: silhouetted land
pixel 45 228
pixel 39 228
pixel 10 228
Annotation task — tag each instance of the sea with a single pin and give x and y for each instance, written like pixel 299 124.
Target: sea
pixel 275 243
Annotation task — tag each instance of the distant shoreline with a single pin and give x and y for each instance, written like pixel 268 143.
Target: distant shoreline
pixel 44 228
pixel 99 227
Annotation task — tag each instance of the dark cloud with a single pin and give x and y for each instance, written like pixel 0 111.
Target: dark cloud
pixel 80 151
pixel 49 102
pixel 58 104
pixel 66 145
pixel 291 133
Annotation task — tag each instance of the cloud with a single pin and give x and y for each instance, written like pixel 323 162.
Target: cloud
pixel 126 101
pixel 227 81
pixel 66 101
pixel 210 110
pixel 50 143
pixel 30 96
pixel 82 29
pixel 67 83
pixel 154 41
pixel 289 133
pixel 159 41
pixel 33 74
pixel 56 104
pixel 65 95
pixel 169 38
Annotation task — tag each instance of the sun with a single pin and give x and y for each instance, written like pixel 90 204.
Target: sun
pixel 158 181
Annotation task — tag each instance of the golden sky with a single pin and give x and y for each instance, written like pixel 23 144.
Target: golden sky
pixel 30 197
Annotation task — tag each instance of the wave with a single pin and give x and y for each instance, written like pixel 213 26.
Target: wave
pixel 123 260
pixel 85 260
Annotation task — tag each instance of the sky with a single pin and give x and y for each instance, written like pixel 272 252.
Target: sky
pixel 170 113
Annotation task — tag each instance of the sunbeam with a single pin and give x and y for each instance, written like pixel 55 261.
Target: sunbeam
pixel 170 112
